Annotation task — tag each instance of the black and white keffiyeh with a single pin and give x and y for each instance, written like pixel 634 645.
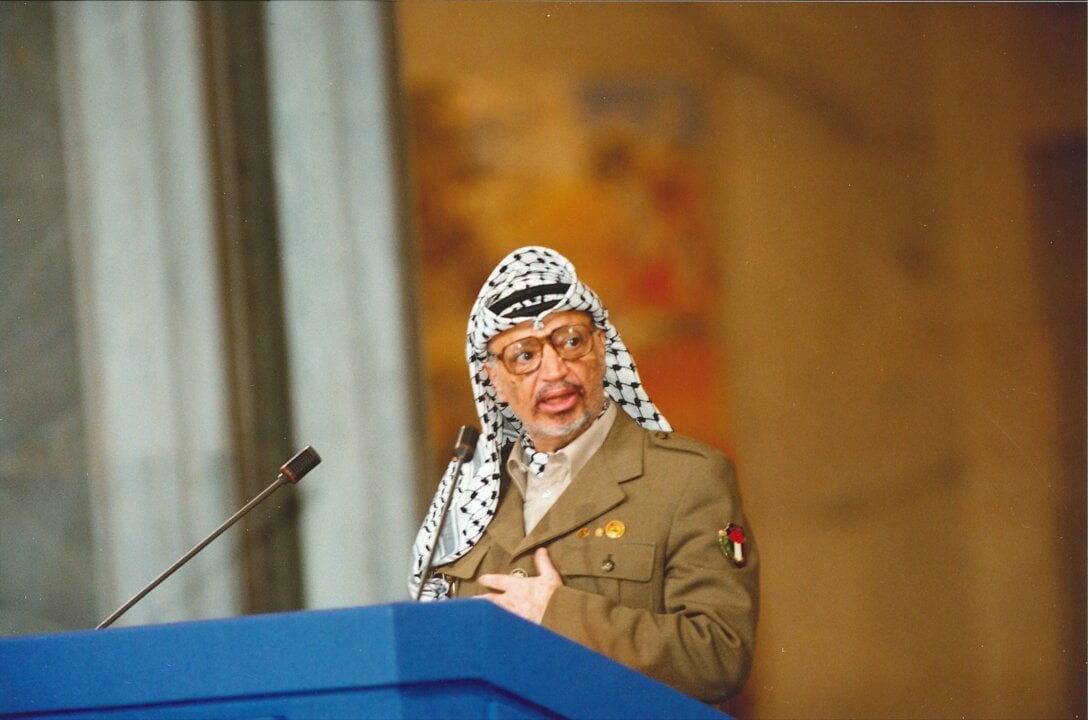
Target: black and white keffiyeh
pixel 528 284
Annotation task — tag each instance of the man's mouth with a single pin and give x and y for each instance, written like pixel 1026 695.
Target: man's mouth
pixel 558 399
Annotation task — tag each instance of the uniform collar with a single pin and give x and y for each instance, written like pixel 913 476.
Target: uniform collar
pixel 577 453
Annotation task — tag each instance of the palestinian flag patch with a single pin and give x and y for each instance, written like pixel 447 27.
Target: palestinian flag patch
pixel 731 539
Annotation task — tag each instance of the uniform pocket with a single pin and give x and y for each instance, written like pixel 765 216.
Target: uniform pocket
pixel 618 570
pixel 608 559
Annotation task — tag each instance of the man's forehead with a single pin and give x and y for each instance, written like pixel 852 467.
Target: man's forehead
pixel 551 322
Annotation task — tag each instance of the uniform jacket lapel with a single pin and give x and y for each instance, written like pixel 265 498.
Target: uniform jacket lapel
pixel 595 490
pixel 507 528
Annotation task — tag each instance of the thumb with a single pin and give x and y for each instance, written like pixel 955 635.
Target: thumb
pixel 544 566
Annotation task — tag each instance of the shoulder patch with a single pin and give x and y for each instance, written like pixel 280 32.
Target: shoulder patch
pixel 732 540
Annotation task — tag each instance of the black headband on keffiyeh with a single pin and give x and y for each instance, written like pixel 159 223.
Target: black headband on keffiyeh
pixel 528 284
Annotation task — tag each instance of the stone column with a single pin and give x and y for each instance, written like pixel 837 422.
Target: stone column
pixel 333 102
pixel 150 345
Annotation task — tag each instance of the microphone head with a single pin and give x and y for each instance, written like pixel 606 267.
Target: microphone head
pixel 466 443
pixel 306 460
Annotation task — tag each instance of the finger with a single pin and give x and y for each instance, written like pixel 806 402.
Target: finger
pixel 544 566
pixel 494 581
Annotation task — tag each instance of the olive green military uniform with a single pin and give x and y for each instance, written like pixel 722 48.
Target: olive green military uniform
pixel 636 540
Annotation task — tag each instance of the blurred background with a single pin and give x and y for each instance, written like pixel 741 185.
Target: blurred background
pixel 845 243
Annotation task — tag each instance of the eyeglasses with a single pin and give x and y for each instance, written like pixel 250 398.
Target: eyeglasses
pixel 524 356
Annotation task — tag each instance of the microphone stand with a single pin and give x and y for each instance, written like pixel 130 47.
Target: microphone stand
pixel 462 452
pixel 290 473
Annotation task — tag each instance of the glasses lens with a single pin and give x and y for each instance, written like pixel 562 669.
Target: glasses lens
pixel 523 356
pixel 572 341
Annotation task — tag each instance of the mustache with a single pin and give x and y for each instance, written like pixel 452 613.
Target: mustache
pixel 556 387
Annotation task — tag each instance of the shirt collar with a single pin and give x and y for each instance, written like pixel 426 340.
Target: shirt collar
pixel 577 453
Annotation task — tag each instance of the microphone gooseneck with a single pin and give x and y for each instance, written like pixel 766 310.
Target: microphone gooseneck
pixel 463 450
pixel 291 472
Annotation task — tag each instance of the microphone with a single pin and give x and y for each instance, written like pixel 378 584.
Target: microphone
pixel 466 443
pixel 290 472
pixel 463 450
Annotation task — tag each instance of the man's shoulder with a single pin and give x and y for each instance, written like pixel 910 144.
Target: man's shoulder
pixel 666 445
pixel 675 463
pixel 682 445
pixel 675 443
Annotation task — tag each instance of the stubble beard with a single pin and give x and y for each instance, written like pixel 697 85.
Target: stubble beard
pixel 569 430
pixel 574 427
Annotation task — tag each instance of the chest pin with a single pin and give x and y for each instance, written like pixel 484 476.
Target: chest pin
pixel 615 529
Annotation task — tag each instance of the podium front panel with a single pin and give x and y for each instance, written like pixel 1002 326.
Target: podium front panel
pixel 454 659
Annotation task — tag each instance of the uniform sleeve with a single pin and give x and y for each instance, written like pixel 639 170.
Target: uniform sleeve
pixel 702 643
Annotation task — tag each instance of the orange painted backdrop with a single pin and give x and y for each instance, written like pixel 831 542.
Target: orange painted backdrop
pixel 610 174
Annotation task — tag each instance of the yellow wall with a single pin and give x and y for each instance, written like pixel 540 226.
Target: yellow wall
pixel 892 383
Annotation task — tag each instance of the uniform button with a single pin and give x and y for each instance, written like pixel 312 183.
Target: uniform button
pixel 608 565
pixel 518 572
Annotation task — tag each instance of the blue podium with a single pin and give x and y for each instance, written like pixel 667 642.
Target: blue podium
pixel 456 659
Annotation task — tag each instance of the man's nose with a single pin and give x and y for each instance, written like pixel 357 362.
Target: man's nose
pixel 551 364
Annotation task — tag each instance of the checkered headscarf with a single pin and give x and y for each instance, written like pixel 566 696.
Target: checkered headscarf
pixel 527 284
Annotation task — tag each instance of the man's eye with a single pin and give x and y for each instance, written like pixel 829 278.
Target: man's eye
pixel 523 356
pixel 572 341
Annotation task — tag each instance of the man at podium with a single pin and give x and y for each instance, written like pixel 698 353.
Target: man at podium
pixel 581 510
